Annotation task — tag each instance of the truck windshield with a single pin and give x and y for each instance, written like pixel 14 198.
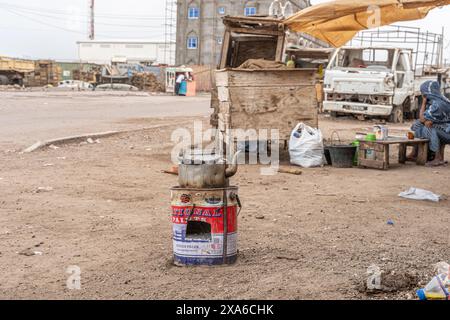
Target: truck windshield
pixel 379 59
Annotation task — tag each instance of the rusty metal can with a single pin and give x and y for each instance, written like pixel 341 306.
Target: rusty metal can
pixel 198 224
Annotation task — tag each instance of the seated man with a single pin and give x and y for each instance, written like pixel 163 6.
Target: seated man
pixel 434 121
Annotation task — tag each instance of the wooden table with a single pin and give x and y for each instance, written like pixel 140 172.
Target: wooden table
pixel 376 154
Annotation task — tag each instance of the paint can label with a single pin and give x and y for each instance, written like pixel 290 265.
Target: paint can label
pixel 208 242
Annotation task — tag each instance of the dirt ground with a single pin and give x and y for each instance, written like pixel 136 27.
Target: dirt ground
pixel 108 212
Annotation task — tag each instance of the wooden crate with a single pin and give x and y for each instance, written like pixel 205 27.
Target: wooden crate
pixel 266 99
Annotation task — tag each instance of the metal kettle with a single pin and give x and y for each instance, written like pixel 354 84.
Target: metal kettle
pixel 205 170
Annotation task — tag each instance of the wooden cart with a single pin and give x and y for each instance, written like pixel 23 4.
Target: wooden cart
pixel 266 99
pixel 275 98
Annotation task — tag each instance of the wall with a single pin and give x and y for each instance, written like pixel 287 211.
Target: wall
pixel 203 77
pixel 102 52
pixel 67 68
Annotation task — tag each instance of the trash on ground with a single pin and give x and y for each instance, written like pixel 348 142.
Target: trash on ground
pixel 438 288
pixel 390 222
pixel 53 147
pixel 382 281
pixel 420 194
pixel 44 189
pixel 290 170
pixel 306 146
pixel 29 253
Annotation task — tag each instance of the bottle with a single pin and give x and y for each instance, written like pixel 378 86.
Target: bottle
pixel 439 286
pixel 355 158
pixel 436 289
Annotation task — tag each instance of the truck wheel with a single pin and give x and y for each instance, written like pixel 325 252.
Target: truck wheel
pixel 396 115
pixel 4 80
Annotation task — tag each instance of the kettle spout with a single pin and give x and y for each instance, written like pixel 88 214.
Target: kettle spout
pixel 232 169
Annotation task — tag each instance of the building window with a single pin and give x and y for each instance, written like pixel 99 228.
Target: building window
pixel 192 43
pixel 193 13
pixel 222 10
pixel 250 11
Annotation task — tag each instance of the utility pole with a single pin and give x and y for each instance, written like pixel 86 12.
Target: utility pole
pixel 92 20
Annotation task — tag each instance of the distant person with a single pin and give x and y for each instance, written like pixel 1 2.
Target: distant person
pixel 434 121
pixel 180 78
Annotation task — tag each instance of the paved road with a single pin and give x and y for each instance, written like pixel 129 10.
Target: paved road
pixel 28 117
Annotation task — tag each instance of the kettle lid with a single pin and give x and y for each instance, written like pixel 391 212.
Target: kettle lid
pixel 199 156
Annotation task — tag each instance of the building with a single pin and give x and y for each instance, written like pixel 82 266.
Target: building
pixel 200 29
pixel 105 51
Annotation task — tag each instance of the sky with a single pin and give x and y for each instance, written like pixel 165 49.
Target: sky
pixel 49 29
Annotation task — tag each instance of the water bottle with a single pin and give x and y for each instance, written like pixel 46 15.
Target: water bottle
pixel 438 287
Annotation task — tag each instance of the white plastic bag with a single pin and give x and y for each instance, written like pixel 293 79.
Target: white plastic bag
pixel 306 148
pixel 420 194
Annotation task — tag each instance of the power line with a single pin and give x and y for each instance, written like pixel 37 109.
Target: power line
pixel 55 26
pixel 65 13
pixel 41 22
pixel 84 21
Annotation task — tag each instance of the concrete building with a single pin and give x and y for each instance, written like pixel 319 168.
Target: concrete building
pixel 200 29
pixel 104 51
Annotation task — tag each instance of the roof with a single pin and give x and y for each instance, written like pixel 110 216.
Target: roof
pixel 254 23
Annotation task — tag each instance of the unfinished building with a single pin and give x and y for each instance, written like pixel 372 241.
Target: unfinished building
pixel 200 29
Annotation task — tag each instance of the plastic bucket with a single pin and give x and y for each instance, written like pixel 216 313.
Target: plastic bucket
pixel 326 151
pixel 198 225
pixel 342 156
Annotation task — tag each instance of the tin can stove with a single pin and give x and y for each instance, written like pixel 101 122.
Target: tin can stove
pixel 205 212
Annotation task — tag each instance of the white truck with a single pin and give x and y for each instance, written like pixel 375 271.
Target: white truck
pixel 377 81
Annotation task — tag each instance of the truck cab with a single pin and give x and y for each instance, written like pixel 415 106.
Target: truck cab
pixel 370 82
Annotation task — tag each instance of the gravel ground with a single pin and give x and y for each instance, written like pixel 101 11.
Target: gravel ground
pixel 105 208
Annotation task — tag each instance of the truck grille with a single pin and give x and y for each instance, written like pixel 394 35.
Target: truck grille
pixel 360 98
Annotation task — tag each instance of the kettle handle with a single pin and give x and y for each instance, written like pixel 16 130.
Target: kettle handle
pixel 239 204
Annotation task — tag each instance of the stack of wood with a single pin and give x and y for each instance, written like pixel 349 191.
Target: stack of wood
pixel 147 81
pixel 46 72
pixel 86 76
